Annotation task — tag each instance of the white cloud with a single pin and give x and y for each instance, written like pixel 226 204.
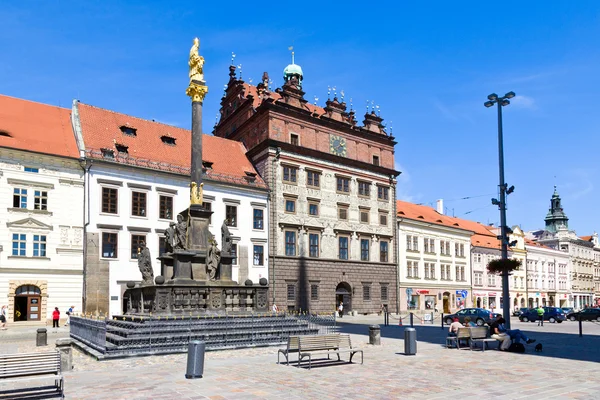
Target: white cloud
pixel 521 101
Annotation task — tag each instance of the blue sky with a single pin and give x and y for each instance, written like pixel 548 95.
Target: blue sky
pixel 428 65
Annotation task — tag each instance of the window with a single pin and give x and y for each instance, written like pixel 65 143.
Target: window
pixel 129 131
pixel 383 219
pixel 109 244
pixel 383 251
pixel 365 245
pixel 314 292
pixel 258 219
pixel 384 292
pixel 20 198
pixel 137 241
pixel 412 269
pixel 109 200
pixel 231 215
pixel 447 248
pixel 478 277
pixel 122 149
pixel 313 178
pixel 408 242
pixel 445 269
pixel 165 207
pixel 313 245
pixel 259 255
pixel 30 169
pixel 477 258
pixel 491 280
pixel 40 200
pixel 162 245
pixel 291 292
pixel 343 184
pixel 429 271
pixel 375 160
pixel 460 272
pixel 19 243
pixel 168 140
pixel 366 292
pixel 426 245
pixel 39 245
pixel 290 243
pixel 313 208
pixel 456 252
pixel 364 189
pixel 208 207
pixel 343 247
pixel 290 174
pixel 138 204
pixel 461 250
pixel 343 212
pixel 415 243
pixel 294 139
pixel 234 260
pixel 364 216
pixel 432 245
pixel 290 206
pixel 383 193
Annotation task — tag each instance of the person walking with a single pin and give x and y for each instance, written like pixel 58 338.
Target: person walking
pixel 55 318
pixel 341 309
pixel 540 313
pixel 69 313
pixel 3 318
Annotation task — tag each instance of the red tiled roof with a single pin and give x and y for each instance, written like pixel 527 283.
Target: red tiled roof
pixel 31 126
pixel 251 90
pixel 586 238
pixel 490 242
pixel 101 129
pixel 427 214
pixel 530 242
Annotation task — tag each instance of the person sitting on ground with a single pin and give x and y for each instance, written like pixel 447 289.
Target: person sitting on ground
pixel 469 323
pixel 496 333
pixel 453 330
pixel 515 334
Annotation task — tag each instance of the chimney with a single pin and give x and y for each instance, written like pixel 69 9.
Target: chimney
pixel 440 206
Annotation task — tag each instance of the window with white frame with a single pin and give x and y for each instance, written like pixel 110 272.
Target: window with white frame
pixel 258 218
pixel 110 244
pixel 491 280
pixel 138 204
pixel 39 245
pixel 234 254
pixel 364 249
pixel 259 251
pixel 40 200
pixel 343 247
pixel 230 215
pixel 19 244
pixel 19 198
pixel 478 279
pixel 477 258
pixel 165 207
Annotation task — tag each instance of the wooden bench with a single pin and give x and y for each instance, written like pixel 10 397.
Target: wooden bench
pixel 292 347
pixel 29 367
pixel 462 334
pixel 311 345
pixel 480 334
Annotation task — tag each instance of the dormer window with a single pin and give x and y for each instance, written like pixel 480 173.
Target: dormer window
pixel 129 131
pixel 207 165
pixel 122 149
pixel 30 169
pixel 250 176
pixel 5 134
pixel 168 140
pixel 108 154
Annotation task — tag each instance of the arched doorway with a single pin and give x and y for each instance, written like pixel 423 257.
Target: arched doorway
pixel 479 302
pixel 446 298
pixel 28 303
pixel 343 294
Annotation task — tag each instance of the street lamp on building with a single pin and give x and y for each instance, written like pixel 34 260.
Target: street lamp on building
pixel 504 190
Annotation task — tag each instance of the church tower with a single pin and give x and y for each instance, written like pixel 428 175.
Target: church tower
pixel 556 216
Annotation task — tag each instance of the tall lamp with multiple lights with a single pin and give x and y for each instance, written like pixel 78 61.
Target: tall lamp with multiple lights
pixel 504 190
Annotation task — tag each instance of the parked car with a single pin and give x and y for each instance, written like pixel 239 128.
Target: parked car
pixel 551 314
pixel 587 314
pixel 479 316
pixel 568 310
pixel 520 311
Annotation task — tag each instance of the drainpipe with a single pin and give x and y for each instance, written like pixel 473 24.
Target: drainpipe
pixel 395 223
pixel 526 283
pixel 85 165
pixel 273 217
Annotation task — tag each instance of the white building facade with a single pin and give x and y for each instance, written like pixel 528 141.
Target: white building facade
pixel 548 282
pixel 41 219
pixel 434 260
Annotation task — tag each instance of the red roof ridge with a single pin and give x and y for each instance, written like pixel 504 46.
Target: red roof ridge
pixel 133 116
pixel 35 102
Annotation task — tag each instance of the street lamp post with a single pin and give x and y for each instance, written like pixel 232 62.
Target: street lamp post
pixel 502 102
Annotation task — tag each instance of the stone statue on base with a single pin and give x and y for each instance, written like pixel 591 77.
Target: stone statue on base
pixel 170 237
pixel 145 264
pixel 180 233
pixel 213 257
pixel 226 238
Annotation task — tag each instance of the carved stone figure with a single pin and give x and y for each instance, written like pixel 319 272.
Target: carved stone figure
pixel 181 233
pixel 145 264
pixel 226 238
pixel 170 237
pixel 213 257
pixel 196 63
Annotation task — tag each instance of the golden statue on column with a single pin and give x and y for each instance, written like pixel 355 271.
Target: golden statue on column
pixel 197 89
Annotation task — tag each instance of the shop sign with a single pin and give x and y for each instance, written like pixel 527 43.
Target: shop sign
pixel 479 293
pixel 492 294
pixel 423 291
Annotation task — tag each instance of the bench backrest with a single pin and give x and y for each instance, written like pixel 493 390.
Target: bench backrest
pixel 480 332
pixel 15 365
pixel 463 333
pixel 293 343
pixel 320 342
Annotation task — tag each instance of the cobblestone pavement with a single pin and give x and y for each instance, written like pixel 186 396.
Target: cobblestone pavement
pixel 567 368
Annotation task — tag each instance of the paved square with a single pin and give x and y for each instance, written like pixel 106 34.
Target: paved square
pixel 567 368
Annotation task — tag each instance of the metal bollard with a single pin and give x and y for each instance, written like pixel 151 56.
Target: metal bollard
pixel 41 339
pixel 195 360
pixel 410 341
pixel 411 319
pixel 374 335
